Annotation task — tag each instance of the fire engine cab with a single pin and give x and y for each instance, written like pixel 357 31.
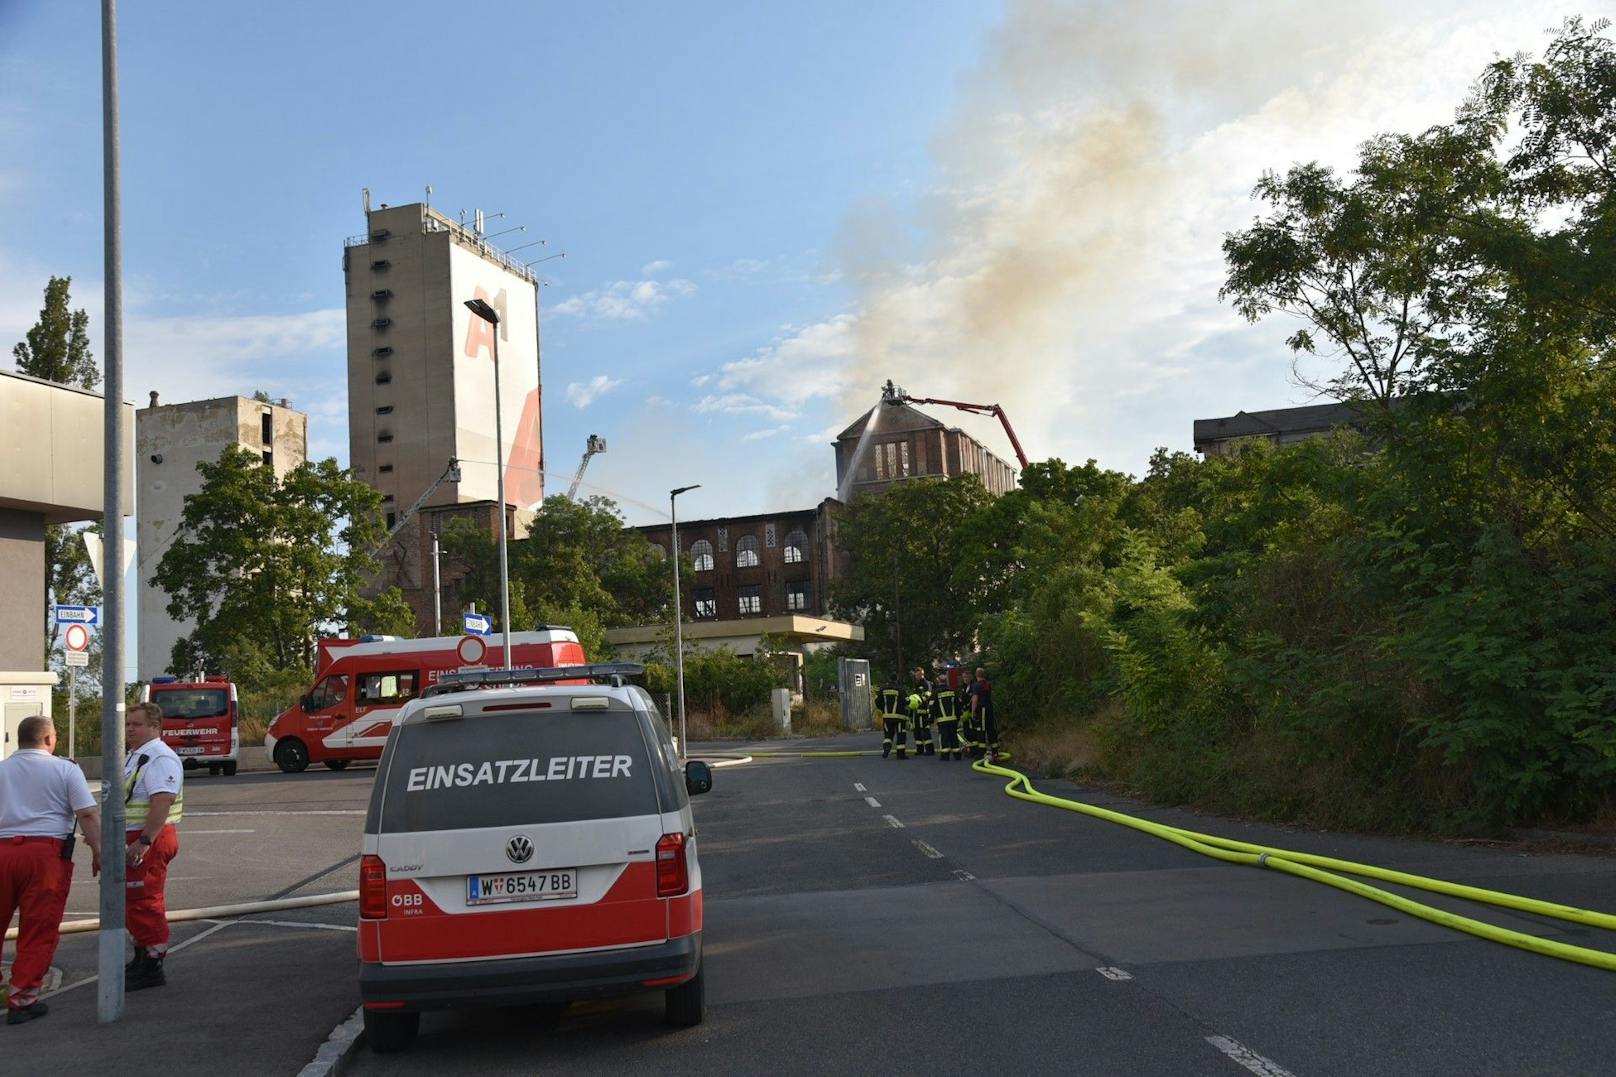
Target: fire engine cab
pixel 199 720
pixel 361 685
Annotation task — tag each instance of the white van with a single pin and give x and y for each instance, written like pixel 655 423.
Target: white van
pixel 529 841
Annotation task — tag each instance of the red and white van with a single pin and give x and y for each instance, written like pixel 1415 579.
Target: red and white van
pixel 199 720
pixel 361 685
pixel 529 842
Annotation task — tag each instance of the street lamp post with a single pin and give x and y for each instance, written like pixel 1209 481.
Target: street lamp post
pixel 678 619
pixel 488 314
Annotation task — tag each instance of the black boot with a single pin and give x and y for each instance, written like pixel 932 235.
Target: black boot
pixel 18 1015
pixel 149 973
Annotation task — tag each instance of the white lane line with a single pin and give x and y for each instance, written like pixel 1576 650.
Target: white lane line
pixel 1112 973
pixel 194 833
pixel 1248 1058
pixel 872 802
pixel 198 937
pixel 300 924
pixel 892 821
pixel 963 876
pixel 731 762
pixel 859 786
pixel 258 811
pixel 929 850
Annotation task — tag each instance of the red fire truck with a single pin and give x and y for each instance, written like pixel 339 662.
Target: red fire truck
pixel 199 720
pixel 361 685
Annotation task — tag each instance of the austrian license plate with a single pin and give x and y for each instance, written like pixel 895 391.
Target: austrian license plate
pixel 551 885
pixel 190 749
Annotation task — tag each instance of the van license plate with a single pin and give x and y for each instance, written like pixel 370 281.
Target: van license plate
pixel 552 885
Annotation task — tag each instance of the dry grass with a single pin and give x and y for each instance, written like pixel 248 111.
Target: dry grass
pixel 1064 749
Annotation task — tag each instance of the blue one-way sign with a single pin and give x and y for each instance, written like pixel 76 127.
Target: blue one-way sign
pixel 478 625
pixel 78 615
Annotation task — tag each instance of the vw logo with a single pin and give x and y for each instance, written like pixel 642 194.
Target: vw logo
pixel 519 849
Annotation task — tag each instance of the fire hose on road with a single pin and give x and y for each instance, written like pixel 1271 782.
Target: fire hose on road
pixel 217 912
pixel 1325 869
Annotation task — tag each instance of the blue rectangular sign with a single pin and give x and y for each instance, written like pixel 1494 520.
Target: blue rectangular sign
pixel 78 615
pixel 478 625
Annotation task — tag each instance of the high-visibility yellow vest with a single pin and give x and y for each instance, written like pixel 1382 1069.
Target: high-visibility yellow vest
pixel 135 811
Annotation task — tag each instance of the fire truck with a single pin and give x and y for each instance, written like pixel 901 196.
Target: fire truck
pixel 199 720
pixel 361 685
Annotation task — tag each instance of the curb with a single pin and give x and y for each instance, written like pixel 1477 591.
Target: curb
pixel 339 1048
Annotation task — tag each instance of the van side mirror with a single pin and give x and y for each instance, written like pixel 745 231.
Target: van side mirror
pixel 698 777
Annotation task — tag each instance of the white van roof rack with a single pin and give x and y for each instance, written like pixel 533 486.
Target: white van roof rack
pixel 614 672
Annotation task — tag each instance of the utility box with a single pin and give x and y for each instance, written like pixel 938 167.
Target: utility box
pixel 22 695
pixel 780 704
pixel 857 693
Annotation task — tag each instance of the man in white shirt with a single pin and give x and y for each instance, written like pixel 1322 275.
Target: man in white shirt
pixel 40 797
pixel 154 800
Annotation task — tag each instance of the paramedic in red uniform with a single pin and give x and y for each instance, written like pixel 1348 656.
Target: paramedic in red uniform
pixel 40 796
pixel 154 798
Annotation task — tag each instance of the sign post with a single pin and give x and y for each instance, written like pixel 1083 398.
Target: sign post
pixel 76 654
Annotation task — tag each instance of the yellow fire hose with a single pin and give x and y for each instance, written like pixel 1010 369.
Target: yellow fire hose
pixel 1310 866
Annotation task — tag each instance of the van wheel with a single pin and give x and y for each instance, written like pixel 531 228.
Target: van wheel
pixel 687 1003
pixel 337 764
pixel 291 756
pixel 230 769
pixel 389 1032
pixel 213 769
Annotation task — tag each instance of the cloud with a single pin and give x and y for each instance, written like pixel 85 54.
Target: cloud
pixel 582 394
pixel 656 268
pixel 743 404
pixel 801 363
pixel 624 300
pixel 768 432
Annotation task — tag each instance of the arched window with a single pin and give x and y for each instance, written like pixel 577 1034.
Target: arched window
pixel 701 555
pixel 746 552
pixel 796 546
pixel 658 551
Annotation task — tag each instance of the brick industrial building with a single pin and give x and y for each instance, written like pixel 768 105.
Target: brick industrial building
pixel 909 444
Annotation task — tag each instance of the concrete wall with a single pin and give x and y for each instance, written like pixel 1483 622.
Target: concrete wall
pixel 22 589
pixel 52 451
pixel 170 441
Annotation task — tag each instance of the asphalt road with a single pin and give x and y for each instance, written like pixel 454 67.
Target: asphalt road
pixel 944 928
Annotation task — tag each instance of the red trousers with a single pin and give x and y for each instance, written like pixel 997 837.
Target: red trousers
pixel 34 879
pixel 145 909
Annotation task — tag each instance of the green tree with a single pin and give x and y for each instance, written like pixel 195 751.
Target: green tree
pixel 901 583
pixel 57 349
pixel 266 566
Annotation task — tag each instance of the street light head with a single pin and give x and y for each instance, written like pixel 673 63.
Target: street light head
pixel 481 308
pixel 675 493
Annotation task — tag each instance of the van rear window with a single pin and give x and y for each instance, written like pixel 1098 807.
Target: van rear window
pixel 192 702
pixel 515 769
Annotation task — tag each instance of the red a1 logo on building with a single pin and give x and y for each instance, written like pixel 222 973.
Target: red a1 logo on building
pixel 479 334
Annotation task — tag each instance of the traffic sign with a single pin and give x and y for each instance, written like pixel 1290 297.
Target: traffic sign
pixel 78 615
pixel 76 638
pixel 76 658
pixel 478 625
pixel 471 650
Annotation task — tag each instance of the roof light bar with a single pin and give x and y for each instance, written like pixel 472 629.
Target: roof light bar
pixel 615 672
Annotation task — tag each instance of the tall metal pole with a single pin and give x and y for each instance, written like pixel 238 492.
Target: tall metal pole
pixel 437 590
pixel 72 708
pixel 678 617
pixel 504 560
pixel 109 989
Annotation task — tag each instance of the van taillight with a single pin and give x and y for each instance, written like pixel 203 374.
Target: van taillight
pixel 372 888
pixel 672 871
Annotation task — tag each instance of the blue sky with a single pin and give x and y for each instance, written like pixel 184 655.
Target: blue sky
pixel 766 208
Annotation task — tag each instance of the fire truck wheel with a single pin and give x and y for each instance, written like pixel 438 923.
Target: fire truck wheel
pixel 291 756
pixel 685 1005
pixel 230 769
pixel 337 764
pixel 389 1032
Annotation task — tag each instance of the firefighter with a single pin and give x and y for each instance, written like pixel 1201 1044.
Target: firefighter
pixel 889 706
pixel 982 706
pixel 970 722
pixel 154 800
pixel 41 797
pixel 920 713
pixel 945 702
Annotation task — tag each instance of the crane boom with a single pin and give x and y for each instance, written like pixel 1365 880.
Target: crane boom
pixel 893 395
pixel 450 474
pixel 596 444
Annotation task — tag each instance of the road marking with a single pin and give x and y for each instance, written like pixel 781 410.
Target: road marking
pixel 892 821
pixel 963 876
pixel 1111 973
pixel 194 833
pixel 1248 1058
pixel 194 939
pixel 258 811
pixel 297 924
pixel 731 762
pixel 860 787
pixel 872 802
pixel 928 849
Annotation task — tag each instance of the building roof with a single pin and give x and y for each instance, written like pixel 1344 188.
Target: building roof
pixel 1311 419
pixel 906 418
pixel 756 517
